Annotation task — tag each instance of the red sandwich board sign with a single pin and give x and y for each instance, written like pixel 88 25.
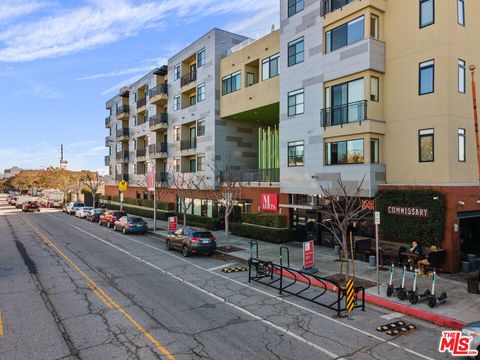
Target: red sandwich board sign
pixel 308 258
pixel 172 223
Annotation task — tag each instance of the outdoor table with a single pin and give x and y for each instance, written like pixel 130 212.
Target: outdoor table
pixel 409 256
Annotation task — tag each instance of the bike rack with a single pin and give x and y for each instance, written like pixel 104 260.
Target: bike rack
pixel 281 257
pixel 265 272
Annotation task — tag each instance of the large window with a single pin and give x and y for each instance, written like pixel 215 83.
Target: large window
pixel 176 133
pixel 344 152
pixel 295 153
pixel 232 83
pixel 201 162
pixel 192 165
pixel 176 164
pixel 296 50
pixel 345 34
pixel 374 151
pixel 294 6
pixel 426 83
pixel 201 92
pixel 462 76
pixel 344 103
pixel 176 103
pixel 176 72
pixel 192 100
pixel 295 102
pixel 426 145
pixel 201 56
pixel 270 67
pixel 461 145
pixel 200 127
pixel 461 12
pixel 427 12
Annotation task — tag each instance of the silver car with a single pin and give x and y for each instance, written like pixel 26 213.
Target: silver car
pixel 473 329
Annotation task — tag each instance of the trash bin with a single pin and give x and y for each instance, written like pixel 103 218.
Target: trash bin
pixel 372 260
pixel 465 266
pixel 337 250
pixel 472 285
pixel 472 261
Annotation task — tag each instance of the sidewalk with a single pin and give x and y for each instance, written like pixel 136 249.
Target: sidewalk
pixel 461 306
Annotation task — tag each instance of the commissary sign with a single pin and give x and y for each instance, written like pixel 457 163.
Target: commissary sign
pixel 408 211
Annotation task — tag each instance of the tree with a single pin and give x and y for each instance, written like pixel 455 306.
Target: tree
pixel 343 206
pixel 92 181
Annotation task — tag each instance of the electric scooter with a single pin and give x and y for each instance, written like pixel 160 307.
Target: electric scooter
pixel 401 292
pixel 434 300
pixel 390 288
pixel 412 295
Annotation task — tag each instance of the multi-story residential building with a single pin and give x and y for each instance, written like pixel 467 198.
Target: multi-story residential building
pixel 376 90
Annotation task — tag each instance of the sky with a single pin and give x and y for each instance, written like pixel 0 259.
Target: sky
pixel 60 60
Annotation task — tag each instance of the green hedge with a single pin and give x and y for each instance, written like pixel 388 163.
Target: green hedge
pixel 161 215
pixel 426 231
pixel 140 202
pixel 200 221
pixel 274 220
pixel 276 236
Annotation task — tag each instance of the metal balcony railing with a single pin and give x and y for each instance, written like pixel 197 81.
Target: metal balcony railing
pixel 255 175
pixel 157 148
pixel 161 89
pixel 161 118
pixel 344 114
pixel 328 6
pixel 123 155
pixel 123 109
pixel 190 144
pixel 162 177
pixel 141 152
pixel 188 78
pixel 141 102
pixel 107 121
pixel 120 177
pixel 107 160
pixel 123 132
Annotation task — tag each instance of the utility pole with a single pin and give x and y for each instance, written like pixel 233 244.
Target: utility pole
pixel 475 114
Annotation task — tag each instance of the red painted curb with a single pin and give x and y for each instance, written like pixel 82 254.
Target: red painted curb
pixel 391 305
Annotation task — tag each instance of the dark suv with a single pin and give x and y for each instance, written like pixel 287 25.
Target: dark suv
pixel 192 241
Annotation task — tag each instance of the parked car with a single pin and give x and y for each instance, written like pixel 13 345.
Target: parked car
pixel 75 207
pixel 9 198
pixel 13 201
pixel 82 212
pixel 130 224
pixel 30 206
pixel 192 241
pixel 473 329
pixel 94 215
pixel 110 217
pixel 21 199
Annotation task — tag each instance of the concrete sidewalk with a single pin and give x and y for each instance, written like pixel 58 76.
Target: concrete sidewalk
pixel 460 307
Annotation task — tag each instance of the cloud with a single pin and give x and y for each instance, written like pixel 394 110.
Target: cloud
pixel 38 90
pixel 128 71
pixel 11 9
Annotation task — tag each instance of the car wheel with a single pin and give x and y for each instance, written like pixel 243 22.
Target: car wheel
pixel 168 245
pixel 210 253
pixel 124 231
pixel 108 224
pixel 185 251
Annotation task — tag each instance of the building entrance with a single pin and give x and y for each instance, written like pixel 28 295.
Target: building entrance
pixel 470 232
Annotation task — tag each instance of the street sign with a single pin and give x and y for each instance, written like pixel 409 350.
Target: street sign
pixel 350 295
pixel 151 176
pixel 308 258
pixel 377 217
pixel 172 223
pixel 122 185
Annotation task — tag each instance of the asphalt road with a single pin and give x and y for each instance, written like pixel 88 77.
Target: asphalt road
pixel 70 289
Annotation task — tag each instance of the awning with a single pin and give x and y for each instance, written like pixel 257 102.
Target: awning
pixel 468 214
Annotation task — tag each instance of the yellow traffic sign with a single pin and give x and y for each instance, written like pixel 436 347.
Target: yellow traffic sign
pixel 122 185
pixel 350 296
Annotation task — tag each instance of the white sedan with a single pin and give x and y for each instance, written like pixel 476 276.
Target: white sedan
pixel 82 212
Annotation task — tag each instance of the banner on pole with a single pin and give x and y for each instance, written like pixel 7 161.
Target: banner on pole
pixel 151 176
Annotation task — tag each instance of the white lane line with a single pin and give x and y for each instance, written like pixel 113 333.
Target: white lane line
pixel 220 267
pixel 370 335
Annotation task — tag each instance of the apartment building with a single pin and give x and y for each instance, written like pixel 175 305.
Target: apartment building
pixel 376 91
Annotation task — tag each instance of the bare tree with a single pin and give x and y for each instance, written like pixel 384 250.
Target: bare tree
pixel 343 206
pixel 92 181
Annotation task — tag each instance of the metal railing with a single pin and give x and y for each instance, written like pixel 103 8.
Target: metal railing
pixel 161 118
pixel 157 148
pixel 190 144
pixel 328 6
pixel 162 177
pixel 107 160
pixel 161 89
pixel 120 177
pixel 344 114
pixel 123 132
pixel 107 121
pixel 123 109
pixel 255 175
pixel 141 102
pixel 141 152
pixel 188 78
pixel 123 155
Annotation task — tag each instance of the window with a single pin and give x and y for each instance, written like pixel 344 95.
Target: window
pixel 135 169
pixel 295 102
pixel 461 145
pixel 201 162
pixel 134 144
pixel 201 92
pixel 134 120
pixel 374 151
pixel 192 165
pixel 426 145
pixel 295 52
pixel 232 83
pixel 426 77
pixel 250 79
pixel 270 67
pixel 176 133
pixel 374 27
pixel 294 6
pixel 345 34
pixel 462 73
pixel 427 12
pixel 295 153
pixel 176 103
pixel 200 127
pixel 344 152
pixel 176 72
pixel 176 164
pixel 201 56
pixel 345 103
pixel 461 12
pixel 135 96
pixel 374 88
pixel 192 100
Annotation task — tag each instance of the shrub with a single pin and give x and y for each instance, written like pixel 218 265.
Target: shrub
pixel 161 215
pixel 200 221
pixel 273 235
pixel 265 219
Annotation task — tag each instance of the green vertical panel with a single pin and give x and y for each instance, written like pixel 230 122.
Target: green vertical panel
pixel 259 155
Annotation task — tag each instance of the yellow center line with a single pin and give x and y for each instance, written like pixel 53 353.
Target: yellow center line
pixel 105 298
pixel 100 296
pixel 1 325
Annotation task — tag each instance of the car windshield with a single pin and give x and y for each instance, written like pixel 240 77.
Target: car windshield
pixel 202 234
pixel 136 220
pixel 118 213
pixel 78 204
pixel 99 211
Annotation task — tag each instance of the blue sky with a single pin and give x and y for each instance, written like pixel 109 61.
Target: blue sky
pixel 61 60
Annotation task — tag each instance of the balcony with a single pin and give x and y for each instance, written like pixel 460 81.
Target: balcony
pixel 120 177
pixel 256 175
pixel 123 156
pixel 123 112
pixel 162 178
pixel 344 114
pixel 107 160
pixel 158 93
pixel 328 6
pixel 107 122
pixel 123 134
pixel 159 121
pixel 141 154
pixel 188 78
pixel 141 104
pixel 108 141
pixel 158 150
pixel 190 144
